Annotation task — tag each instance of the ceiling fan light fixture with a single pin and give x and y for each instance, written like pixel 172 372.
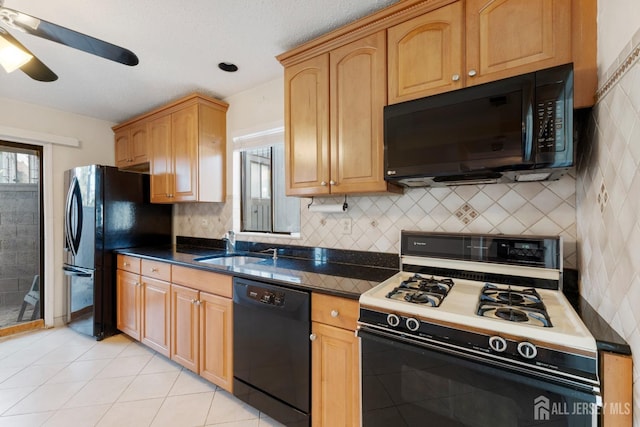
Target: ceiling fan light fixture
pixel 11 56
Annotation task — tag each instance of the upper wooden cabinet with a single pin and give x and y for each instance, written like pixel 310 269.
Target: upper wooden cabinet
pixel 186 143
pixel 510 37
pixel 333 110
pixel 132 147
pixel 435 46
pixel 426 54
pixel 504 38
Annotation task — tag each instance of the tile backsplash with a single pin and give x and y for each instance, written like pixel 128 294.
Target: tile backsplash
pixel 608 185
pixel 541 208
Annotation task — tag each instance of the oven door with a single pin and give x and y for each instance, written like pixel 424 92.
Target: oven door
pixel 405 384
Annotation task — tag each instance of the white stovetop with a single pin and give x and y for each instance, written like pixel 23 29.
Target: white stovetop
pixel 460 305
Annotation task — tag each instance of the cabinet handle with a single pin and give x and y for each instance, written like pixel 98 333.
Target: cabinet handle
pixel 323 183
pixel 193 301
pixel 126 264
pixel 334 313
pixel 137 283
pixel 455 77
pixel 472 72
pixel 154 270
pixel 332 182
pixel 312 337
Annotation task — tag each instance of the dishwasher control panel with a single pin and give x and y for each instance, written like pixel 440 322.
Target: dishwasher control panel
pixel 265 296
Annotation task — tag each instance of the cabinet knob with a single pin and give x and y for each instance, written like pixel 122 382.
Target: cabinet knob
pixel 193 301
pixel 323 183
pixel 334 313
pixel 332 182
pixel 137 283
pixel 198 302
pixel 312 337
pixel 472 72
pixel 126 264
pixel 455 77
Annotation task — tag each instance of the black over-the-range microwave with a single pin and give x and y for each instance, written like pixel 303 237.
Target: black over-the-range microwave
pixel 512 130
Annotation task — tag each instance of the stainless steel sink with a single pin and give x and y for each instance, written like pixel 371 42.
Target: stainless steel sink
pixel 230 260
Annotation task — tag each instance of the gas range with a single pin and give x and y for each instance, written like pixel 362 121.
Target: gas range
pixel 495 298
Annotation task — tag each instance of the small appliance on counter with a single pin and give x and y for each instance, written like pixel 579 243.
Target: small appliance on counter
pixel 105 209
pixel 475 330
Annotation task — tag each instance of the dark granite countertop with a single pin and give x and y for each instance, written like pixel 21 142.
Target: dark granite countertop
pixel 607 339
pixel 341 273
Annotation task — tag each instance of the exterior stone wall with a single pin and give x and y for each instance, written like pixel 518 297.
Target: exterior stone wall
pixel 19 242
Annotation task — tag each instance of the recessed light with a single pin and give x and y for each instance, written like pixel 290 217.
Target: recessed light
pixel 228 67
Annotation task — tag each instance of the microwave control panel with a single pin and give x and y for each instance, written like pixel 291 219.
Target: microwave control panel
pixel 549 119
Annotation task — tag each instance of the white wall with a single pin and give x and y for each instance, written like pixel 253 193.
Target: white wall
pixel 96 146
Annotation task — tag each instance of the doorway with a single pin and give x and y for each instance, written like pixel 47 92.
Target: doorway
pixel 21 237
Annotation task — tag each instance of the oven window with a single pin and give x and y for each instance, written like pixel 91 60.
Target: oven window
pixel 405 385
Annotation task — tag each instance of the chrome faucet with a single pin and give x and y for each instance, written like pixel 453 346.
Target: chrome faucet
pixel 230 241
pixel 275 252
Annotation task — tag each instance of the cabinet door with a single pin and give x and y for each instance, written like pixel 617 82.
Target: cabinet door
pixel 510 37
pixel 184 134
pixel 426 54
pixel 358 94
pixel 184 327
pixel 138 143
pixel 216 342
pixel 156 305
pixel 306 87
pixel 128 303
pixel 121 139
pixel 335 377
pixel 161 164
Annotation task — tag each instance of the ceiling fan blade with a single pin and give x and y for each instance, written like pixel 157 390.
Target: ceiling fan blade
pixel 34 68
pixel 56 33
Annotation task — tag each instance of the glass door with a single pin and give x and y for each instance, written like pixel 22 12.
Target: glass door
pixel 21 235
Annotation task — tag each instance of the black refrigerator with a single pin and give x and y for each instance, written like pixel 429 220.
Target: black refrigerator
pixel 105 209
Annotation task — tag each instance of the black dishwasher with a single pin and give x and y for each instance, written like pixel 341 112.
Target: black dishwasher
pixel 271 350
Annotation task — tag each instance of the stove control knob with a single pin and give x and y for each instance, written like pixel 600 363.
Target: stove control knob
pixel 393 320
pixel 412 324
pixel 527 350
pixel 498 344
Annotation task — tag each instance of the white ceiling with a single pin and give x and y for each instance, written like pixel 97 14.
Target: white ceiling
pixel 179 44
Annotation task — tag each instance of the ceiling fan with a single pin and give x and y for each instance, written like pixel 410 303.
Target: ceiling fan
pixel 36 69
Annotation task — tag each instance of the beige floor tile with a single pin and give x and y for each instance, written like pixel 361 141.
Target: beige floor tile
pixel 11 396
pixel 244 423
pixel 139 413
pixel 83 370
pixel 86 416
pixel 226 408
pixel 8 371
pixel 124 366
pixel 48 397
pixel 136 349
pixel 159 364
pixel 266 421
pixel 149 386
pixel 109 348
pixel 100 391
pixel 190 383
pixel 63 354
pixel 26 420
pixel 188 410
pixel 33 375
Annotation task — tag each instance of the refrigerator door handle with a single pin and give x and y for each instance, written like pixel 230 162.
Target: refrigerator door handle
pixel 70 271
pixel 74 231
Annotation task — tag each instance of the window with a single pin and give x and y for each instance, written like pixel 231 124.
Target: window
pixel 264 207
pixel 18 166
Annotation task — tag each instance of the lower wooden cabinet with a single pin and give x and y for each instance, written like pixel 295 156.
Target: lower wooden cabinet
pixel 335 376
pixel 335 362
pixel 180 320
pixel 155 315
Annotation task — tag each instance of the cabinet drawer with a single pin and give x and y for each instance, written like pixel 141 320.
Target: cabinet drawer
pixel 335 311
pixel 156 269
pixel 129 263
pixel 218 284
